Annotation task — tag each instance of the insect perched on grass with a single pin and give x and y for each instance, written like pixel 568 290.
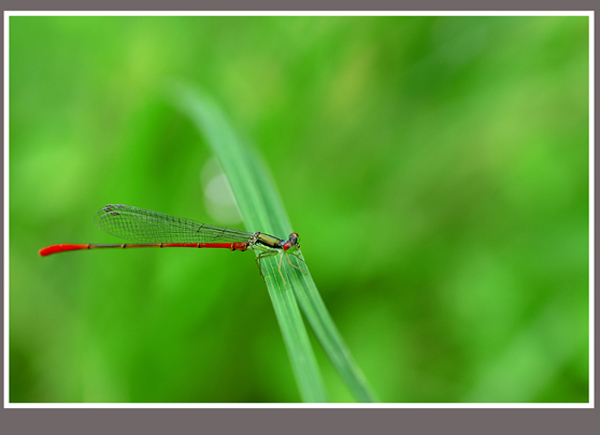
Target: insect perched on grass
pixel 151 229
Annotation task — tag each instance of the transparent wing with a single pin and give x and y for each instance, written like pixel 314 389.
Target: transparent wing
pixel 146 226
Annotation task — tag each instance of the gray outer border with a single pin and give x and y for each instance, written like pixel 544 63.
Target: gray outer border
pixel 292 421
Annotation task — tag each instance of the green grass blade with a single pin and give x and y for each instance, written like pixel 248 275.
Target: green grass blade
pixel 332 342
pixel 259 210
pixel 262 208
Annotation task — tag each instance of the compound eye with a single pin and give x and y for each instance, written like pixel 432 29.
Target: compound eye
pixel 293 238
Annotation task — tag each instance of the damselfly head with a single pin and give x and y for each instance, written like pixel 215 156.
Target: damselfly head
pixel 292 242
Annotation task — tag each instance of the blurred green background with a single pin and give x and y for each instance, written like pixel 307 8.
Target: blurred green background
pixel 436 169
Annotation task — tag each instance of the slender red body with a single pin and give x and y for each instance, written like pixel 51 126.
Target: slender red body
pixel 236 246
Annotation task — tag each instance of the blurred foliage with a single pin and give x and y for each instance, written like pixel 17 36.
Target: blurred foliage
pixel 436 169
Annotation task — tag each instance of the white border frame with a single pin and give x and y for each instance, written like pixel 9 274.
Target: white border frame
pixel 590 14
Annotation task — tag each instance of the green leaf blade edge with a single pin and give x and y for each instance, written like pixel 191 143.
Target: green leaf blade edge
pixel 262 208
